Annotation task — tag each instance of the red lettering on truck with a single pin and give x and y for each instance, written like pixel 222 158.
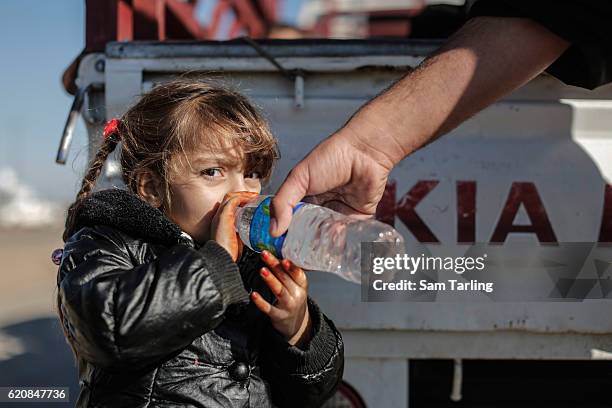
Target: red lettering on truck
pixel 466 211
pixel 521 193
pixel 524 193
pixel 605 229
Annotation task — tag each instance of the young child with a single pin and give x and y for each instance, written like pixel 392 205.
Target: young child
pixel 159 300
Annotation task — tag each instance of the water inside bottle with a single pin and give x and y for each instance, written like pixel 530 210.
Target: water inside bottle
pixel 324 240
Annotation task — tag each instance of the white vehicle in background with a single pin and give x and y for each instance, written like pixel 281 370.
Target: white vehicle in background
pixel 541 156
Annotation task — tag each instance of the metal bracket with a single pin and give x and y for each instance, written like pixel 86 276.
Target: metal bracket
pixel 296 75
pixel 457 381
pixel 75 111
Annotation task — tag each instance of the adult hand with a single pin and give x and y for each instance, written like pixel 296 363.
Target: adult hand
pixel 345 172
pixel 223 228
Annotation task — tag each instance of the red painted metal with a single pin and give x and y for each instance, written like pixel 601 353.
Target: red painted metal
pixel 396 28
pixel 390 23
pixel 180 20
pixel 175 19
pixel 125 21
pixel 100 23
pixel 128 20
pixel 250 17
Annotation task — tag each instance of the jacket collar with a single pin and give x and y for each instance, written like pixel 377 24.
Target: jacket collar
pixel 127 212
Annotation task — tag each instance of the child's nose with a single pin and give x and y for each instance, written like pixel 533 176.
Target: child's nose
pixel 241 185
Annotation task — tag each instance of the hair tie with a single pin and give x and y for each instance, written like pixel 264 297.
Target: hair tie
pixel 111 127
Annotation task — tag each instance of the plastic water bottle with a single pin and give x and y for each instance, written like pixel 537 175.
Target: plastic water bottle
pixel 318 238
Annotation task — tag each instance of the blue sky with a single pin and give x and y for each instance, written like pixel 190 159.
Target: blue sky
pixel 38 40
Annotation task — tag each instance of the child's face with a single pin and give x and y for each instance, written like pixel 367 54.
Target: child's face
pixel 197 191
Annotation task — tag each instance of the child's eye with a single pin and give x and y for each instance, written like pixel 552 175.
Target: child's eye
pixel 212 172
pixel 253 174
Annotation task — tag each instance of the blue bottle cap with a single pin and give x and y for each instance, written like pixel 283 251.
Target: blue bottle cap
pixel 259 234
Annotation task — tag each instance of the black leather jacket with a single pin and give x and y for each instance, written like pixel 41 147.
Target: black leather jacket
pixel 158 321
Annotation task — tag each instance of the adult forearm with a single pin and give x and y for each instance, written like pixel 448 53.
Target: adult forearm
pixel 486 59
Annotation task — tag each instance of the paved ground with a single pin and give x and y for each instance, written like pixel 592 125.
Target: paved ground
pixel 33 351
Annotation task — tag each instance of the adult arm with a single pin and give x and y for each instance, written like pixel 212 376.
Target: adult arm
pixel 484 60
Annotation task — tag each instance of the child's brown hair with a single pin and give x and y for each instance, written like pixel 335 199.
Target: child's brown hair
pixel 170 121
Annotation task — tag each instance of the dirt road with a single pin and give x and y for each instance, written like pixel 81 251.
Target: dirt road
pixel 33 351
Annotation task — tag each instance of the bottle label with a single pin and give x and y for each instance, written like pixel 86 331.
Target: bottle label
pixel 259 234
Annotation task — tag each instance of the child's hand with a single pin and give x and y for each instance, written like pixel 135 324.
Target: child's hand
pixel 222 227
pixel 288 283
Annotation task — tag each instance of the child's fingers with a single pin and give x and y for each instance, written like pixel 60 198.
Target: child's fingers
pixel 227 209
pixel 237 198
pixel 297 274
pixel 278 270
pixel 263 305
pixel 233 200
pixel 222 228
pixel 228 205
pixel 249 194
pixel 273 283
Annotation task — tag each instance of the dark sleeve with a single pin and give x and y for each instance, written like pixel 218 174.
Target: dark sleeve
pixel 586 24
pixel 130 316
pixel 307 376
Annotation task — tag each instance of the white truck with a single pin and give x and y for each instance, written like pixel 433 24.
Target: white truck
pixel 540 156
